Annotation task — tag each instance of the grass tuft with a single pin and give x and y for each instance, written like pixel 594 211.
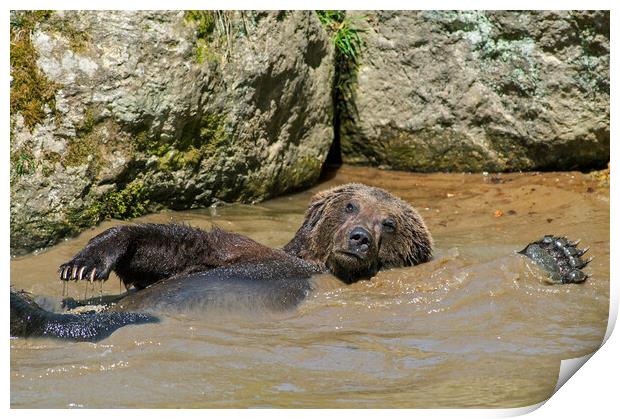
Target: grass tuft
pixel 344 35
pixel 22 163
pixel 348 44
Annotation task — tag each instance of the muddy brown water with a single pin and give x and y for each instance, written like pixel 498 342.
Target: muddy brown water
pixel 476 327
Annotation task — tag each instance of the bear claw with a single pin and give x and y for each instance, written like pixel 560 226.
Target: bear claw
pixel 90 264
pixel 70 272
pixel 560 258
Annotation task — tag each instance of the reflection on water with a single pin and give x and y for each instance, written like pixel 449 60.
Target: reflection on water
pixel 474 327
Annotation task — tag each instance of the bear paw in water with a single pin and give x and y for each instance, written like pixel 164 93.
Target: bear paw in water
pixel 560 257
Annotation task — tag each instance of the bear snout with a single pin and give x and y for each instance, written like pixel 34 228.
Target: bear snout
pixel 360 240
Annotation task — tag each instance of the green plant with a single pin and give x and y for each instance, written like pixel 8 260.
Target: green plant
pixel 22 163
pixel 344 35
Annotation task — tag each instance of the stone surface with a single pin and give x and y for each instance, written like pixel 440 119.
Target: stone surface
pixel 162 109
pixel 473 91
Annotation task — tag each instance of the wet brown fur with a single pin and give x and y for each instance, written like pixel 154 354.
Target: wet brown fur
pixel 143 254
pixel 327 224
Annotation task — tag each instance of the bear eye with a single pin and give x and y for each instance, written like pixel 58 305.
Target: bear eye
pixel 350 208
pixel 389 225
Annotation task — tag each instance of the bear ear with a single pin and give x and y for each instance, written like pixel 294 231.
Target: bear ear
pixel 413 243
pixel 301 242
pixel 315 209
pixel 419 239
pixel 319 202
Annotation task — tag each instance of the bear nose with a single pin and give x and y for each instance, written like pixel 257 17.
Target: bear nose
pixel 359 240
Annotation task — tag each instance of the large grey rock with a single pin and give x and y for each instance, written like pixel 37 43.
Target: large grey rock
pixel 155 109
pixel 472 91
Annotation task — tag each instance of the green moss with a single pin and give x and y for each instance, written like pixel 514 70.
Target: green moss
pixel 199 139
pixel 64 26
pixel 151 145
pixel 205 140
pixel 129 202
pixel 205 21
pixel 78 150
pixel 31 91
pixel 205 53
pixel 51 157
pixel 213 134
pixel 78 41
pixel 77 220
pixel 178 160
pixel 201 51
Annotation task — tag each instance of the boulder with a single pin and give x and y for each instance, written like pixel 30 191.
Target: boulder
pixel 119 113
pixel 479 91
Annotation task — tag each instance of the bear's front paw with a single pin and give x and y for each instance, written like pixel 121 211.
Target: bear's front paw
pixel 85 266
pixel 560 257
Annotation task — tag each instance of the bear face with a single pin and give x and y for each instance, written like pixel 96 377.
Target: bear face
pixel 355 230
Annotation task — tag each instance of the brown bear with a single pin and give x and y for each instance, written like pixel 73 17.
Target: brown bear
pixel 351 231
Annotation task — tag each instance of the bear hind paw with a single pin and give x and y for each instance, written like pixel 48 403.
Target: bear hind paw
pixel 560 257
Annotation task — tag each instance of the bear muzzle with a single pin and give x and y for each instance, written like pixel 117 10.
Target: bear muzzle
pixel 360 242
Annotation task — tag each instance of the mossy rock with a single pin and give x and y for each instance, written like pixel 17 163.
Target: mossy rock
pixel 115 114
pixel 479 90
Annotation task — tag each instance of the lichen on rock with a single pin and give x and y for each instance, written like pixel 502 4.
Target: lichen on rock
pixel 480 90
